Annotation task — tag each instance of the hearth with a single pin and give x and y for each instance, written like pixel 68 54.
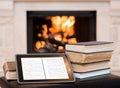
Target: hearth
pixel 49 31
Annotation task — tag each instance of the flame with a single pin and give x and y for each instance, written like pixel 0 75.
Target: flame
pixel 62 27
pixel 39 44
pixel 58 37
pixel 45 30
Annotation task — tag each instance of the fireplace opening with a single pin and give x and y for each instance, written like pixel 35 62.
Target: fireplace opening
pixel 49 31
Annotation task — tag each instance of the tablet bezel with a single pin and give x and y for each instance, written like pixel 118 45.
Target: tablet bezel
pixel 21 80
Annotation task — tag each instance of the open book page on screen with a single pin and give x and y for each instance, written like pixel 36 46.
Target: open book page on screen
pixel 44 68
pixel 32 69
pixel 55 68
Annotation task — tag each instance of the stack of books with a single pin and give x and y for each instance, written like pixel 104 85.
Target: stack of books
pixel 90 59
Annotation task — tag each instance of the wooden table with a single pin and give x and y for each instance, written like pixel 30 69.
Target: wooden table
pixel 106 81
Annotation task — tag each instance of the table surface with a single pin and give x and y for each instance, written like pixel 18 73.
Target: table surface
pixel 106 81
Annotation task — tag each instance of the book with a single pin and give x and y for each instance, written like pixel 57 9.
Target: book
pixel 92 73
pixel 9 69
pixel 90 66
pixel 77 57
pixel 90 47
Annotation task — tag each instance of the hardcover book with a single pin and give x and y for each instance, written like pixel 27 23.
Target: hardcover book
pixel 90 66
pixel 9 69
pixel 90 47
pixel 77 57
pixel 90 74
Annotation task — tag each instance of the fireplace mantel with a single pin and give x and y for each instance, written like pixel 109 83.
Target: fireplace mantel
pixel 62 0
pixel 13 21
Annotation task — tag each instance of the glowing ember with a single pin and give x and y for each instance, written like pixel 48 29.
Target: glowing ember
pixel 39 44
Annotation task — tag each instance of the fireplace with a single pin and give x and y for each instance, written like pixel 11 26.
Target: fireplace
pixel 49 31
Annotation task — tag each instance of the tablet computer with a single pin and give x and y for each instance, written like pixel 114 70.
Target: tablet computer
pixel 44 68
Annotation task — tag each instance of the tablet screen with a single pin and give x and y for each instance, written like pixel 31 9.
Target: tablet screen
pixel 44 68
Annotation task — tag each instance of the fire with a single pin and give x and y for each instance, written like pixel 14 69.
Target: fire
pixel 39 44
pixel 61 30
